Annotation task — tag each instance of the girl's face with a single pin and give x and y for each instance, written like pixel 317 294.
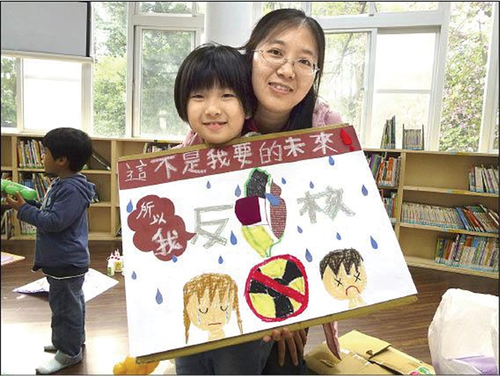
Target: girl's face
pixel 215 114
pixel 209 315
pixel 280 88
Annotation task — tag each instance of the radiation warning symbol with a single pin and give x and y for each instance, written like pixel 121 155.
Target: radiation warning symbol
pixel 277 289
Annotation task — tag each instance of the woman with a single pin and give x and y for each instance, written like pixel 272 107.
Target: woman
pixel 286 52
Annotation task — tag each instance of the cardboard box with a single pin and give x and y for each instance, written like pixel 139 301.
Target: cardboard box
pixel 365 355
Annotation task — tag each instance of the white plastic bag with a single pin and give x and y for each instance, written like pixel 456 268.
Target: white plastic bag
pixel 463 335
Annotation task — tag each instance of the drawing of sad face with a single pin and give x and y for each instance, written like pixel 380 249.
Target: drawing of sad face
pixel 209 300
pixel 344 276
pixel 210 315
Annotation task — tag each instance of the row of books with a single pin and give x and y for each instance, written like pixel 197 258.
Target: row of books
pixel 483 179
pixel 8 223
pixel 39 182
pixel 27 229
pixel 29 153
pixel 385 170
pixel 470 252
pixel 390 205
pixel 151 147
pixel 475 218
pixel 413 139
pixel 389 134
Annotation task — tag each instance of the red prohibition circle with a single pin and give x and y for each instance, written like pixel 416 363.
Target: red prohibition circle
pixel 274 298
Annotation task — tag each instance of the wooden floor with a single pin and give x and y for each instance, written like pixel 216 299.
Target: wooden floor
pixel 26 319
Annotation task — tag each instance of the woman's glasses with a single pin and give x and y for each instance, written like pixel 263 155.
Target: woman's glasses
pixel 275 58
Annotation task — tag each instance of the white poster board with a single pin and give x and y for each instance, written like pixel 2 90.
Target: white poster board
pixel 224 244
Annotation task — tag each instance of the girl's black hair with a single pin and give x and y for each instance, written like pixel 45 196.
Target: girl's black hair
pixel 71 143
pixel 276 22
pixel 210 65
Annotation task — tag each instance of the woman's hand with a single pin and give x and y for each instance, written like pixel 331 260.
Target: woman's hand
pixel 17 203
pixel 296 342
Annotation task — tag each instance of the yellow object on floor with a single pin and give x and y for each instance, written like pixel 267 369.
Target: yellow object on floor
pixel 362 354
pixel 130 367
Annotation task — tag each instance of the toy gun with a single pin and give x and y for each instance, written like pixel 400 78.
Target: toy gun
pixel 11 188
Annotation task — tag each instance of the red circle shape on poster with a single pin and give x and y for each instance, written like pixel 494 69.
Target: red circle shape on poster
pixel 277 288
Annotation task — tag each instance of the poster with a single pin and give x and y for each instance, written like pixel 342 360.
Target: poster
pixel 268 231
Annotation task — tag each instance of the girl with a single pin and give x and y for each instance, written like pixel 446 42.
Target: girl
pixel 212 93
pixel 286 54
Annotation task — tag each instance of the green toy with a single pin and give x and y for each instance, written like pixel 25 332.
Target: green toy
pixel 11 188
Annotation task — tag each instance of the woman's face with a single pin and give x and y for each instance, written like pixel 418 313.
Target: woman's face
pixel 280 88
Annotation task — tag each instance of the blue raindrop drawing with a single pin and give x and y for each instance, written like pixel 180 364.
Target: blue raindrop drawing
pixel 159 296
pixel 308 255
pixel 130 207
pixel 221 260
pixel 299 229
pixel 174 258
pixel 273 200
pixel 331 160
pixel 364 190
pixel 233 239
pixel 209 185
pixel 339 237
pixel 237 191
pixel 283 180
pixel 311 184
pixel 374 243
pixel 134 276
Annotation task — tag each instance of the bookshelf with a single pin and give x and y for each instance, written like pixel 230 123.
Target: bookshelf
pixel 437 179
pixel 104 215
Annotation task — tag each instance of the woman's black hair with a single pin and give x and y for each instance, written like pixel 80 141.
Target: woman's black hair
pixel 276 22
pixel 71 143
pixel 210 65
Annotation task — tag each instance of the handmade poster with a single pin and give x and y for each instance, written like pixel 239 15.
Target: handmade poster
pixel 271 230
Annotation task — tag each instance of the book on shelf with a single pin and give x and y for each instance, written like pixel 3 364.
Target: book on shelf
pixel 8 223
pixel 475 218
pixel 385 170
pixel 413 139
pixel 29 153
pixel 157 145
pixel 468 251
pixel 98 162
pixel 389 134
pixel 483 179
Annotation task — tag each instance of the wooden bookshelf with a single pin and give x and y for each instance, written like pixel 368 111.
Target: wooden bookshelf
pixel 104 216
pixel 441 179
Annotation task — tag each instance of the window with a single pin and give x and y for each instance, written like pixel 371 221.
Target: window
pixel 52 94
pixel 165 7
pixel 404 6
pixel 339 8
pixel 162 53
pixel 9 92
pixel 403 82
pixel 161 40
pixel 465 75
pixel 110 69
pixel 343 80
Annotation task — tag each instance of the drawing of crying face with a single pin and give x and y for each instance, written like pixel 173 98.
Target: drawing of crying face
pixel 210 315
pixel 345 285
pixel 344 276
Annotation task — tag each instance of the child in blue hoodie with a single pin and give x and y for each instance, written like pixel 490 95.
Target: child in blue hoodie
pixel 61 248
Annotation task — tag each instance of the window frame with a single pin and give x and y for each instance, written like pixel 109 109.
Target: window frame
pixel 137 22
pixel 86 87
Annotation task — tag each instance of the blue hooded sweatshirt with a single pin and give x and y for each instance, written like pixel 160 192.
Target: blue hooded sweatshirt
pixel 61 248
